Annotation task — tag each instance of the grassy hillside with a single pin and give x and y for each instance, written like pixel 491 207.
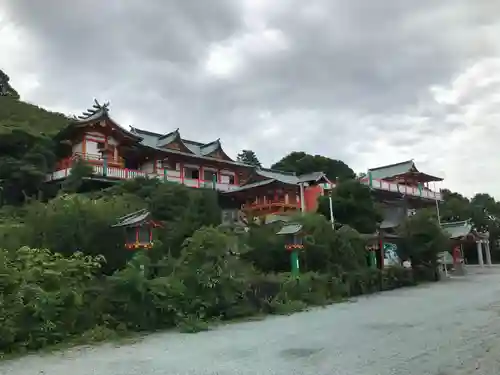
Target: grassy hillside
pixel 27 153
pixel 16 115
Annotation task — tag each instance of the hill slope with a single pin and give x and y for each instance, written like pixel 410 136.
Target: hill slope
pixel 28 118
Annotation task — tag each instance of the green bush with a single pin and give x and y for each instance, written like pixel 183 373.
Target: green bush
pixel 73 223
pixel 51 296
pixel 42 297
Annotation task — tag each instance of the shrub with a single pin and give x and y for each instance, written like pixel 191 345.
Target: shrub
pixel 74 223
pixel 43 297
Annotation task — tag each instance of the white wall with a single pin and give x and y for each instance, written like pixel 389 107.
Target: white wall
pixel 91 148
pixel 78 148
pixel 91 144
pixel 147 167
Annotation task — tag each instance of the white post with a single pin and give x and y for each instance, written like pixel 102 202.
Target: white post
pixel 437 211
pixel 302 203
pixel 480 254
pixel 331 211
pixel 488 252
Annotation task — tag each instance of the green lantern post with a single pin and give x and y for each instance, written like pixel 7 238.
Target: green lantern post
pixel 293 244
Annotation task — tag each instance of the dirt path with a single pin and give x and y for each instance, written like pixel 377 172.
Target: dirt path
pixel 448 328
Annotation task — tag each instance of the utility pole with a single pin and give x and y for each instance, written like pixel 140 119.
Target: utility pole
pixel 332 219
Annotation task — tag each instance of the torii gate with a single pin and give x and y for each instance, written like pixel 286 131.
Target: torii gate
pixel 461 231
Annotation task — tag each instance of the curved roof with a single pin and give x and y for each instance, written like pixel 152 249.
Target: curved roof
pixel 159 141
pixel 289 177
pixel 95 113
pixel 461 229
pixel 211 147
pixel 264 176
pixel 399 169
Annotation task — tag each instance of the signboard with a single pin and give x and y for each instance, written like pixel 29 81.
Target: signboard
pixel 391 257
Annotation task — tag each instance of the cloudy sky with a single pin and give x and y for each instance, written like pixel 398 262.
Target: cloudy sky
pixel 368 84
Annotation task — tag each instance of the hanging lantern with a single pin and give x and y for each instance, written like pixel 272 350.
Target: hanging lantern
pixel 138 228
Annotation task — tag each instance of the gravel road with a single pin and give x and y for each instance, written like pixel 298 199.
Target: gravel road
pixel 448 328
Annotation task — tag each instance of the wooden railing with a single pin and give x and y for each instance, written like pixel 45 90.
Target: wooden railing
pixel 264 203
pixel 414 191
pixel 91 158
pixel 118 173
pixel 115 170
pixel 270 205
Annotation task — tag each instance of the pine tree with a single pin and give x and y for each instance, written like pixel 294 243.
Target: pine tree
pixel 249 157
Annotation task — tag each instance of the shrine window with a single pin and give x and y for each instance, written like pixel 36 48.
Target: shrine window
pixel 192 173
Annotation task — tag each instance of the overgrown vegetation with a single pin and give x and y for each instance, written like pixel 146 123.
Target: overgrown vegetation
pixel 75 278
pixel 64 272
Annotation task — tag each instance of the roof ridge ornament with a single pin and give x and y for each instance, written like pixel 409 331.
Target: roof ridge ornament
pixel 96 107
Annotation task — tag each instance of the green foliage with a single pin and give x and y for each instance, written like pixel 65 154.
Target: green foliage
pixel 42 299
pixel 5 88
pixel 248 157
pixel 27 118
pixel 300 162
pixel 47 298
pixel 79 172
pixel 325 250
pixel 215 275
pixel 24 164
pixel 26 148
pixel 422 239
pixel 73 223
pixel 183 209
pixel 353 205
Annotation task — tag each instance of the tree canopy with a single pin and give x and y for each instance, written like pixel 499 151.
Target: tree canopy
pixel 5 88
pixel 249 157
pixel 26 148
pixel 300 162
pixel 353 205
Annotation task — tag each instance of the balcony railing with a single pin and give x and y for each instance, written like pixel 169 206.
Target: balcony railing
pixel 117 173
pixel 403 189
pixel 275 205
pixel 90 158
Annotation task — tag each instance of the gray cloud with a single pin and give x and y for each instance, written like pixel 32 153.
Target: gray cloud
pixel 366 82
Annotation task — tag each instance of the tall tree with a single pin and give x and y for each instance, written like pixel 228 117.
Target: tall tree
pixel 353 205
pixel 300 162
pixel 421 240
pixel 249 157
pixel 5 88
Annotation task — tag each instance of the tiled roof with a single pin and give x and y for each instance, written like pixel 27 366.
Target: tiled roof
pixel 133 219
pixel 285 177
pixel 158 141
pixel 391 170
pixel 398 169
pixel 210 147
pixel 252 185
pixel 313 176
pixel 393 216
pixel 457 229
pixel 96 112
pixel 290 229
pixel 271 176
pixel 290 177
